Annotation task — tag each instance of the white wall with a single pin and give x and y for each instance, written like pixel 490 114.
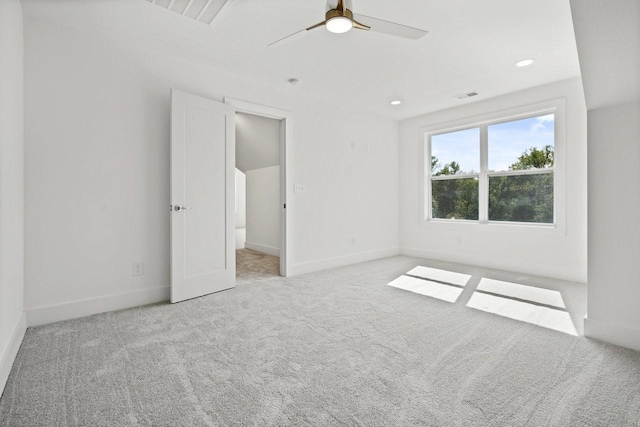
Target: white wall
pixel 97 171
pixel 241 199
pixel 608 41
pixel 12 320
pixel 613 306
pixel 544 252
pixel 257 142
pixel 241 209
pixel 263 210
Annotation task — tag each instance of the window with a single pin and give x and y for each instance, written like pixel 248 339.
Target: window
pixel 455 167
pixel 497 171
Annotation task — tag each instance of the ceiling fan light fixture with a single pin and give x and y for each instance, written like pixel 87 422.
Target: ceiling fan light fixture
pixel 339 24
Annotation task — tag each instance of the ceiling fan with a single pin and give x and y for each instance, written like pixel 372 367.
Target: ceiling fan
pixel 340 18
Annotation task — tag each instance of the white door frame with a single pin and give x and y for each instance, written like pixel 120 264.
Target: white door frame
pixel 286 128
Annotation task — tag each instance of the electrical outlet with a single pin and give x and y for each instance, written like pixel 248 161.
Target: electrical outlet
pixel 353 145
pixel 298 188
pixel 138 269
pixel 459 241
pixel 353 241
pixel 367 147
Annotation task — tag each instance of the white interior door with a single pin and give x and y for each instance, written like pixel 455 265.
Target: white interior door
pixel 202 196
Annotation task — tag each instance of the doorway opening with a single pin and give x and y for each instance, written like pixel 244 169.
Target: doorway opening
pixel 260 182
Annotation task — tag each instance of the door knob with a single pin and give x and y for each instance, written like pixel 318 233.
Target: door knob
pixel 179 208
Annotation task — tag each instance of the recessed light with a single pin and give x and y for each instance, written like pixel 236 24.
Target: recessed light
pixel 524 62
pixel 293 82
pixel 395 102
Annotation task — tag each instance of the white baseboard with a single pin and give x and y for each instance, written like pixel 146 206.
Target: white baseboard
pixel 310 267
pixel 75 309
pixel 612 334
pixel 9 356
pixel 554 272
pixel 269 250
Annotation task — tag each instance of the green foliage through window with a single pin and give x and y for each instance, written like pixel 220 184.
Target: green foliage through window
pixel 535 158
pixel 521 198
pixel 455 198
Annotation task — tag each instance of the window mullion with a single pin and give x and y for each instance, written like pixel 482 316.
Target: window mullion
pixel 483 181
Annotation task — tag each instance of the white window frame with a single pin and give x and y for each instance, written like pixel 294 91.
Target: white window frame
pixel 556 107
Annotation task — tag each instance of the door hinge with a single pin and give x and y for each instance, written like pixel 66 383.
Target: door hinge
pixel 285 206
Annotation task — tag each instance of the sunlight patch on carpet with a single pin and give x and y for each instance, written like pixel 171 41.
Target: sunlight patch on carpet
pixel 529 293
pixel 453 278
pixel 428 288
pixel 546 317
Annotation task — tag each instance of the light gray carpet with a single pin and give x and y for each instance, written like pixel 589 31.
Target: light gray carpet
pixel 338 347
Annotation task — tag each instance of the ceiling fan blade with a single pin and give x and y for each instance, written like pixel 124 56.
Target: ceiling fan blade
pixel 357 25
pixel 287 38
pixel 292 36
pixel 319 24
pixel 386 27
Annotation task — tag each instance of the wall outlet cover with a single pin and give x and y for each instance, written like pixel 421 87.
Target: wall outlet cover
pixel 138 269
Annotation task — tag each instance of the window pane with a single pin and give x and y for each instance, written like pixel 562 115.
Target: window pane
pixel 522 144
pixel 455 198
pixel 521 198
pixel 456 153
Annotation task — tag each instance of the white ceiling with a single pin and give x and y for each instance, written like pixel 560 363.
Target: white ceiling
pixel 471 46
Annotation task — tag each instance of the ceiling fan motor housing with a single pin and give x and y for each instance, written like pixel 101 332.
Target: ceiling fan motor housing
pixel 334 13
pixel 333 5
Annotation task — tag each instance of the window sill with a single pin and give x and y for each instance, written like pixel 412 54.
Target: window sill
pixel 493 226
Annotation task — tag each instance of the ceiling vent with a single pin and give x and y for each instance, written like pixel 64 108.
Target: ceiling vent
pixel 204 11
pixel 466 95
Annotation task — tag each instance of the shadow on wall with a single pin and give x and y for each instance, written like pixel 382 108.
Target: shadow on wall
pixel 535 305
